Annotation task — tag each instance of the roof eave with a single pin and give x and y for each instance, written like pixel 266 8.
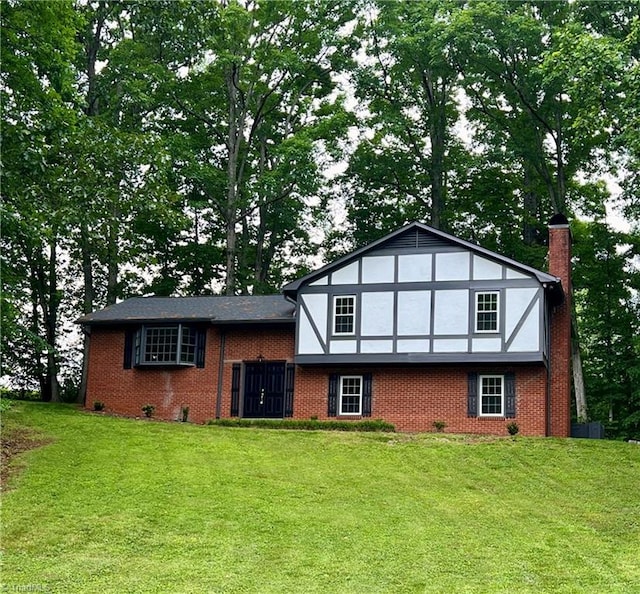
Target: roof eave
pixel 268 321
pixel 167 320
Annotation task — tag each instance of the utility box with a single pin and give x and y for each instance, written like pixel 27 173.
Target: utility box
pixel 593 430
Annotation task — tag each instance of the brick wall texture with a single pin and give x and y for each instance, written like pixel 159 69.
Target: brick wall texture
pixel 411 398
pixel 560 352
pixel 126 391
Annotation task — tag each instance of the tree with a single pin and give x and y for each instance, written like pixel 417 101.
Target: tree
pixel 245 106
pixel 606 289
pixel 402 168
pixel 37 88
pixel 75 179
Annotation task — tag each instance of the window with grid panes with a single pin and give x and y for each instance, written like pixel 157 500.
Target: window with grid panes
pixel 187 345
pixel 491 395
pixel 168 345
pixel 350 395
pixel 487 311
pixel 344 314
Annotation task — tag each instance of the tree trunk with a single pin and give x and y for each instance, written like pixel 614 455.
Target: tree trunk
pixel 437 169
pixel 40 370
pixel 259 264
pixel 51 324
pixel 530 207
pixel 561 195
pixel 82 390
pixel 52 384
pixel 230 285
pixel 197 275
pixel 576 368
pixel 87 305
pixel 233 141
pixel 437 99
pixel 560 170
pixel 112 255
pixel 92 109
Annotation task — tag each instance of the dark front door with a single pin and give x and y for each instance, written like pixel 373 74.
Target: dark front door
pixel 264 389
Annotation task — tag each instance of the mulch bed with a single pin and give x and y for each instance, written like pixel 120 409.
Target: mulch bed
pixel 14 441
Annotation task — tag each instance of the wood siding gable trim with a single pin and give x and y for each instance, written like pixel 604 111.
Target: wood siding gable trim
pixel 441 239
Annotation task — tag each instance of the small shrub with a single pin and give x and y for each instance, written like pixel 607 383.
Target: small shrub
pixel 69 392
pixel 314 417
pixel 513 429
pixel 20 394
pixel 184 413
pixel 5 404
pixel 148 410
pixel 97 405
pixel 439 426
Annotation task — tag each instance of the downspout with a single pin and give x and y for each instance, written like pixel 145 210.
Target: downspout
pixel 291 300
pixel 223 340
pixel 295 332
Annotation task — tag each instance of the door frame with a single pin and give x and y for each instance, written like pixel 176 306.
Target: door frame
pixel 264 364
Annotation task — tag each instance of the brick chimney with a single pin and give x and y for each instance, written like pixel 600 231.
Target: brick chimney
pixel 560 351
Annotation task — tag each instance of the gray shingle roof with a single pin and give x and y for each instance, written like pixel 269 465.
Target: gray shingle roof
pixel 215 309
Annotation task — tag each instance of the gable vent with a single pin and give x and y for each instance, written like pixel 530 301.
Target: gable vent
pixel 414 239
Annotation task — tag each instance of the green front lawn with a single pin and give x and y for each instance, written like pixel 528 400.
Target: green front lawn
pixel 122 506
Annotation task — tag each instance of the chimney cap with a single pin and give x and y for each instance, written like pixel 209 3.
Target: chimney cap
pixel 558 219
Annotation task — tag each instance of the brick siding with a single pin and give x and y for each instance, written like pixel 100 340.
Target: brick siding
pixel 410 398
pixel 560 355
pixel 126 391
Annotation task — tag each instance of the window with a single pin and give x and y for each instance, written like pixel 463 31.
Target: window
pixel 487 311
pixel 187 345
pixel 344 314
pixel 161 345
pixel 166 345
pixel 491 396
pixel 350 395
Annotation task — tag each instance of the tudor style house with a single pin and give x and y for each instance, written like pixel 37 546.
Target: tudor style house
pixel 417 327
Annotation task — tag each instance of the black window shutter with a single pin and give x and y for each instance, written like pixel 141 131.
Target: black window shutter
pixel 201 341
pixel 367 379
pixel 235 390
pixel 288 390
pixel 333 395
pixel 472 395
pixel 510 395
pixel 137 346
pixel 129 333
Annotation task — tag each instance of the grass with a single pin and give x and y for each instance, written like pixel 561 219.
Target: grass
pixel 115 505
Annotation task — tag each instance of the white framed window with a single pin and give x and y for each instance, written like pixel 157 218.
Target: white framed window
pixel 350 395
pixel 491 393
pixel 487 311
pixel 166 345
pixel 344 314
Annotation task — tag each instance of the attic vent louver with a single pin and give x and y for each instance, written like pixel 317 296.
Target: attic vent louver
pixel 413 239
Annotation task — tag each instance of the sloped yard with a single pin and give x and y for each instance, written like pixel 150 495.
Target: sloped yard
pixel 114 505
